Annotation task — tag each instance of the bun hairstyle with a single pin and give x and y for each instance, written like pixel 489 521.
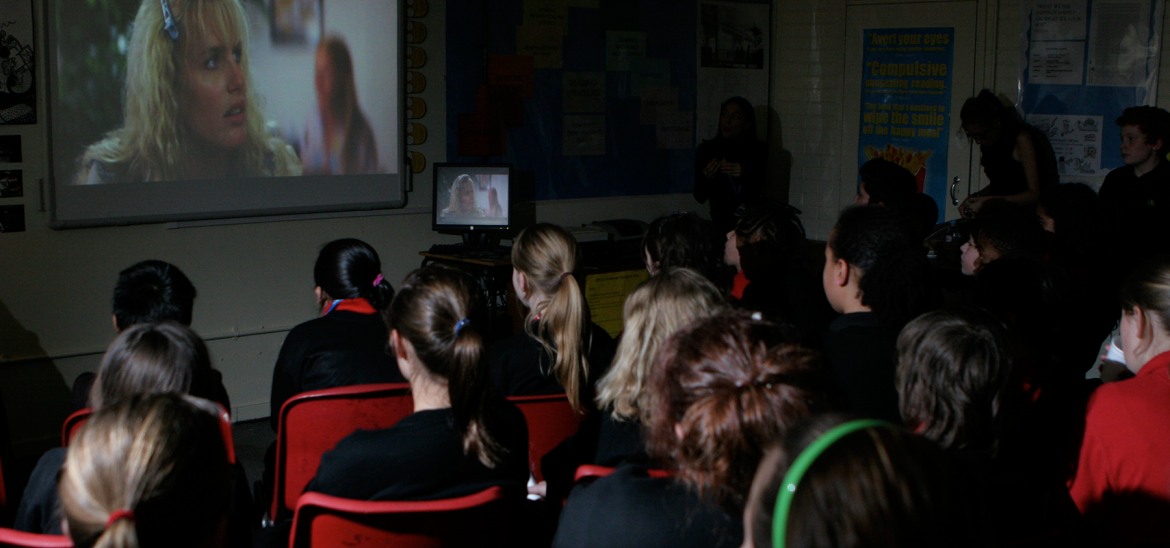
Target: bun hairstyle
pixel 952 377
pixel 151 359
pixel 348 268
pixel 152 292
pixel 437 310
pixel 1149 288
pixel 148 471
pixel 884 245
pixel 548 257
pixel 730 386
pixel 655 309
pixel 685 240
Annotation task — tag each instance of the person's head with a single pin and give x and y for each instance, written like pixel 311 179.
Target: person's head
pixel 875 262
pixel 434 329
pixel 682 240
pixel 722 389
pixel 952 377
pixel 150 359
pixel 876 486
pixel 656 309
pixel 149 471
pixel 350 269
pixel 1145 307
pixel 545 258
pixel 1071 212
pixel 462 195
pixel 152 292
pixel 920 208
pixel 333 78
pixel 1025 295
pixel 737 118
pixel 776 226
pixel 1009 236
pixel 493 197
pixel 1145 130
pixel 984 118
pixel 883 182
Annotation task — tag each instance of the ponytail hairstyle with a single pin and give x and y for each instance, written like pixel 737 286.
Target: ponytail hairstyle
pixel 437 310
pixel 148 471
pixel 1148 288
pixel 724 388
pixel 348 268
pixel 548 257
pixel 152 358
pixel 883 245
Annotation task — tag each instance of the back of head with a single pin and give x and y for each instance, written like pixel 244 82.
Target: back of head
pixel 548 257
pixel 152 292
pixel 684 240
pixel 952 377
pixel 884 245
pixel 656 309
pixel 1023 293
pixel 921 209
pixel 1016 235
pixel 1148 287
pixel 438 310
pixel 1153 122
pixel 985 110
pixel 877 487
pixel 152 359
pixel 721 390
pixel 161 458
pixel 776 224
pixel 351 269
pixel 886 181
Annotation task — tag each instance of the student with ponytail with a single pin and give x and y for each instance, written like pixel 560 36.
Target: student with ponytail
pixel 561 350
pixel 461 438
pixel 149 471
pixel 877 277
pixel 346 345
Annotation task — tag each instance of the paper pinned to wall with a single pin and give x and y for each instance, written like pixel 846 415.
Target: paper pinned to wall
pixel 544 43
pixel 622 48
pixel 511 70
pixel 1118 50
pixel 1075 139
pixel 655 100
pixel 606 295
pixel 1057 63
pixel 584 135
pixel 649 72
pixel 553 13
pixel 675 130
pixel 584 92
pixel 1066 20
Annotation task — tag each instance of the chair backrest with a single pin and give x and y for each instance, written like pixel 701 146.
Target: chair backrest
pixel 551 420
pixel 587 472
pixel 73 424
pixel 474 520
pixel 19 539
pixel 313 422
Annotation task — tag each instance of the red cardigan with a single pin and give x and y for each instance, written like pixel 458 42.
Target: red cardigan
pixel 1122 483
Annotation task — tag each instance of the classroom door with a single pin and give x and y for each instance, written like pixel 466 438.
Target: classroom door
pixel 916 105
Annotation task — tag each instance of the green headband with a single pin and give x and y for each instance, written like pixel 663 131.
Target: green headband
pixel 801 465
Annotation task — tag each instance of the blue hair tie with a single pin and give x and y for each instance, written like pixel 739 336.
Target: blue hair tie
pixel 169 21
pixel 459 326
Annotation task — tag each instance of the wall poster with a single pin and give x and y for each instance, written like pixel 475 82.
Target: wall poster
pixel 905 97
pixel 18 95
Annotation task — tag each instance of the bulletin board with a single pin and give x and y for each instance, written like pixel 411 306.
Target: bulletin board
pixel 595 97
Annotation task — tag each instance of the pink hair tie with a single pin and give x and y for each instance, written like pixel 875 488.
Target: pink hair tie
pixel 378 280
pixel 120 514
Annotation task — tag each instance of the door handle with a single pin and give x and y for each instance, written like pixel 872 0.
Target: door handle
pixel 954 183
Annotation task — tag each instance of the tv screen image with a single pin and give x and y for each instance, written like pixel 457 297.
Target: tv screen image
pixel 471 196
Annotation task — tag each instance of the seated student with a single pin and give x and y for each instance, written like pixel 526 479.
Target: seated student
pixel 461 438
pixel 1005 236
pixel 955 387
pixel 684 240
pixel 144 359
pixel 150 292
pixel 1122 481
pixel 883 183
pixel 877 277
pixel 857 484
pixel 720 390
pixel 561 350
pixel 1135 198
pixel 149 471
pixel 346 345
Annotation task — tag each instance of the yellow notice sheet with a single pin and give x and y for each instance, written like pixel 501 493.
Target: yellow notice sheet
pixel 606 295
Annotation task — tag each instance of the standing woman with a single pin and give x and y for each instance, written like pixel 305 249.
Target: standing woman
pixel 342 143
pixel 1016 157
pixel 561 350
pixel 729 169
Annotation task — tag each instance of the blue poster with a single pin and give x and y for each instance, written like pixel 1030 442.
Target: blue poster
pixel 905 103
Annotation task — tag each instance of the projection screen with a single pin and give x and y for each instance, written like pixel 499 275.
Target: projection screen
pixel 172 110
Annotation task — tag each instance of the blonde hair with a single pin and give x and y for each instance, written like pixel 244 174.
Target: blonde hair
pixel 655 309
pixel 548 256
pixel 151 143
pixel 161 457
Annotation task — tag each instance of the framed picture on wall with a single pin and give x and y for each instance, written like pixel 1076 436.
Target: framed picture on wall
pixel 18 95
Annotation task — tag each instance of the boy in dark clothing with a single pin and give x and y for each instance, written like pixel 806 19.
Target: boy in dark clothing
pixel 1135 198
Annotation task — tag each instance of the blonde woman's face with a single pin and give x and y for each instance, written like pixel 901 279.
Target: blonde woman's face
pixel 212 91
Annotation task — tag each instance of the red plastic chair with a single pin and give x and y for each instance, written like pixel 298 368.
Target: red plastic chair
pixel 588 472
pixel 73 424
pixel 20 539
pixel 313 422
pixel 551 420
pixel 475 520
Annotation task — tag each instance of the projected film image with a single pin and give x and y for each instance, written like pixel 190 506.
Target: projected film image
pixel 472 199
pixel 172 90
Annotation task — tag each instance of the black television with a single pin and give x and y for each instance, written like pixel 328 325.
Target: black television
pixel 474 200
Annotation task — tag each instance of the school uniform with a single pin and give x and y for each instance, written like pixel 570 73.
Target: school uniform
pixel 520 365
pixel 861 356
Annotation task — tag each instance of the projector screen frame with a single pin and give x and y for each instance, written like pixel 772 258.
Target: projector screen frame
pixel 298 195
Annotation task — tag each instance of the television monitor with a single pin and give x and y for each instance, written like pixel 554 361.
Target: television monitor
pixel 174 110
pixel 472 199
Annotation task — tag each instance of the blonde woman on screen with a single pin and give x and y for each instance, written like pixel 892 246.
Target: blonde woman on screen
pixel 190 109
pixel 461 203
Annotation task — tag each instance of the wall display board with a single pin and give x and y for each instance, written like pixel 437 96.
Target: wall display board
pixel 232 108
pixel 1086 61
pixel 18 92
pixel 905 97
pixel 595 97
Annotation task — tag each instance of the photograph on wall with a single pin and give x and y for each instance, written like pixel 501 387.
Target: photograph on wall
pixel 733 35
pixel 11 184
pixel 10 151
pixel 18 95
pixel 11 218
